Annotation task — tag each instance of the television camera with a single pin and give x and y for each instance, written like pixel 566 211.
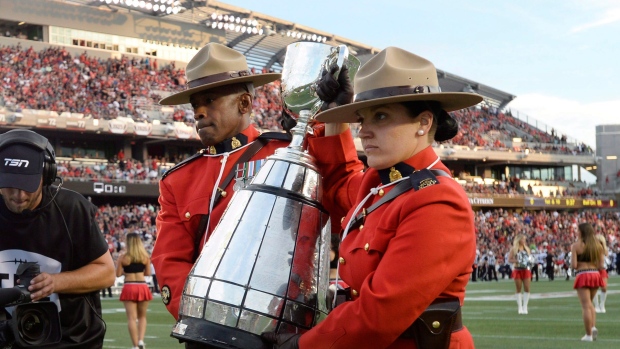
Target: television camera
pixel 30 323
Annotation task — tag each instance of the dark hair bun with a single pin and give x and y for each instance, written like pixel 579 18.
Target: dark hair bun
pixel 447 127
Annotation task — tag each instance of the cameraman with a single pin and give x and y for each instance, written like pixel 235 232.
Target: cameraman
pixel 55 228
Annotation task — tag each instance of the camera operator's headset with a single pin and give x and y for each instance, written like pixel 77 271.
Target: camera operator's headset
pixel 27 137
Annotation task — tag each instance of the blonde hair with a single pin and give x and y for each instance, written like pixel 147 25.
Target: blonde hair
pixel 516 243
pixel 135 249
pixel 602 240
pixel 592 250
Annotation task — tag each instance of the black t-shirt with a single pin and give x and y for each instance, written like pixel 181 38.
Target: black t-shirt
pixel 61 235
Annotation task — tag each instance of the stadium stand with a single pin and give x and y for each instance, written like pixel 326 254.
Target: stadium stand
pixel 94 94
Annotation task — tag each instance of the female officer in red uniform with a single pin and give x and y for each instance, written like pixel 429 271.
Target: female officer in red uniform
pixel 402 255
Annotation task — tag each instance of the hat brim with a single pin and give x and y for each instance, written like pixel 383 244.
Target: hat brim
pixel 26 182
pixel 450 101
pixel 183 97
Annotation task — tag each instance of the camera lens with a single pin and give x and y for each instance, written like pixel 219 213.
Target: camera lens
pixel 34 326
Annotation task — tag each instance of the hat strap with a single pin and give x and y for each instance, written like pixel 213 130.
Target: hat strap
pixel 392 91
pixel 217 77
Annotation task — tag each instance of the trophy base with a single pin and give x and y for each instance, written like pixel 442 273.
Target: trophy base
pixel 202 331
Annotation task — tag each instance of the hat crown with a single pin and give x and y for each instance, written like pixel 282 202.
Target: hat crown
pixel 214 59
pixel 395 67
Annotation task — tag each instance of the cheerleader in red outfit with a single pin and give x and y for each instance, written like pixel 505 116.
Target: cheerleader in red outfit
pixel 587 256
pixel 521 256
pixel 601 295
pixel 135 264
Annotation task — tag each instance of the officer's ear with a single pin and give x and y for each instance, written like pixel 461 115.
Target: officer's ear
pixel 244 103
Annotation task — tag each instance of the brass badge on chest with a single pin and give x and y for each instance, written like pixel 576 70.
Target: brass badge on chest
pixel 212 150
pixel 427 183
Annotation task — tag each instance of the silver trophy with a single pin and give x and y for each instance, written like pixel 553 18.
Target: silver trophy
pixel 266 265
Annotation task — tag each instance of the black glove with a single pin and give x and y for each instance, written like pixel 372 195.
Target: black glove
pixel 287 121
pixel 281 341
pixel 332 92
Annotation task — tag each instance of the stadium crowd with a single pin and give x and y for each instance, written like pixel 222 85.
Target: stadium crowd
pixel 132 87
pixel 150 171
pixel 548 232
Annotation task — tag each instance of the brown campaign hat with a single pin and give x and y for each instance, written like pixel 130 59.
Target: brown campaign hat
pixel 393 76
pixel 213 66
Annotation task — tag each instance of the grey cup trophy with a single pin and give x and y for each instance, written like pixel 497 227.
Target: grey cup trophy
pixel 266 264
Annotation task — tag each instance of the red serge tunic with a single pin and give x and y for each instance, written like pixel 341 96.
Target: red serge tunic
pixel 185 196
pixel 409 251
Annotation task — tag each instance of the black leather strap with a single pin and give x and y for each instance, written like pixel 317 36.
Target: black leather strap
pixel 414 181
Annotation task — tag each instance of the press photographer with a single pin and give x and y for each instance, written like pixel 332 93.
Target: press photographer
pixel 55 228
pixel 29 324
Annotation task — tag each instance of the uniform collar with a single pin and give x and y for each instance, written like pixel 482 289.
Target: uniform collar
pixel 406 168
pixel 233 143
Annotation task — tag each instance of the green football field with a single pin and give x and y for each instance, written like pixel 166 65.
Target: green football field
pixel 490 313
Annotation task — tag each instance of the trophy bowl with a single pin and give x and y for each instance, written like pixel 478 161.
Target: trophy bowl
pixel 303 67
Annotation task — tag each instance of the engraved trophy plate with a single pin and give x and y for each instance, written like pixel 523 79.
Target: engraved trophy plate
pixel 266 265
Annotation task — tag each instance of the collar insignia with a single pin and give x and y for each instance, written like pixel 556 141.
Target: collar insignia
pixel 235 143
pixel 228 144
pixel 394 173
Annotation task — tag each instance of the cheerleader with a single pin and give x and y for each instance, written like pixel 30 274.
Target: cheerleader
pixel 521 257
pixel 587 259
pixel 135 264
pixel 601 295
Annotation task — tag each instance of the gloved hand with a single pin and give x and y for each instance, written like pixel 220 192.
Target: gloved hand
pixel 332 92
pixel 287 121
pixel 281 341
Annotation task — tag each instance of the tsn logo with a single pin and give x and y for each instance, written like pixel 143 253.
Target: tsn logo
pixel 16 162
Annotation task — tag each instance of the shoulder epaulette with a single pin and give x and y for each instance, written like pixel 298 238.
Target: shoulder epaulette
pixel 182 163
pixel 417 180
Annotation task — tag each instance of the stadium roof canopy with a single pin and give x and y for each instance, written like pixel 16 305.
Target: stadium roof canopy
pixel 263 39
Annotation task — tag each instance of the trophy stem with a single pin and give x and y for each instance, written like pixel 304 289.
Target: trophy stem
pixel 300 130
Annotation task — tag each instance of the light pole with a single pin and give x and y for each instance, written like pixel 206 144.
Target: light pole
pixel 615 174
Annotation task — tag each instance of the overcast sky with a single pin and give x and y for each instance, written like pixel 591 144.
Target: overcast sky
pixel 560 58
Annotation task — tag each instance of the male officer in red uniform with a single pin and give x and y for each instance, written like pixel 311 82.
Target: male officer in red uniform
pixel 195 193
